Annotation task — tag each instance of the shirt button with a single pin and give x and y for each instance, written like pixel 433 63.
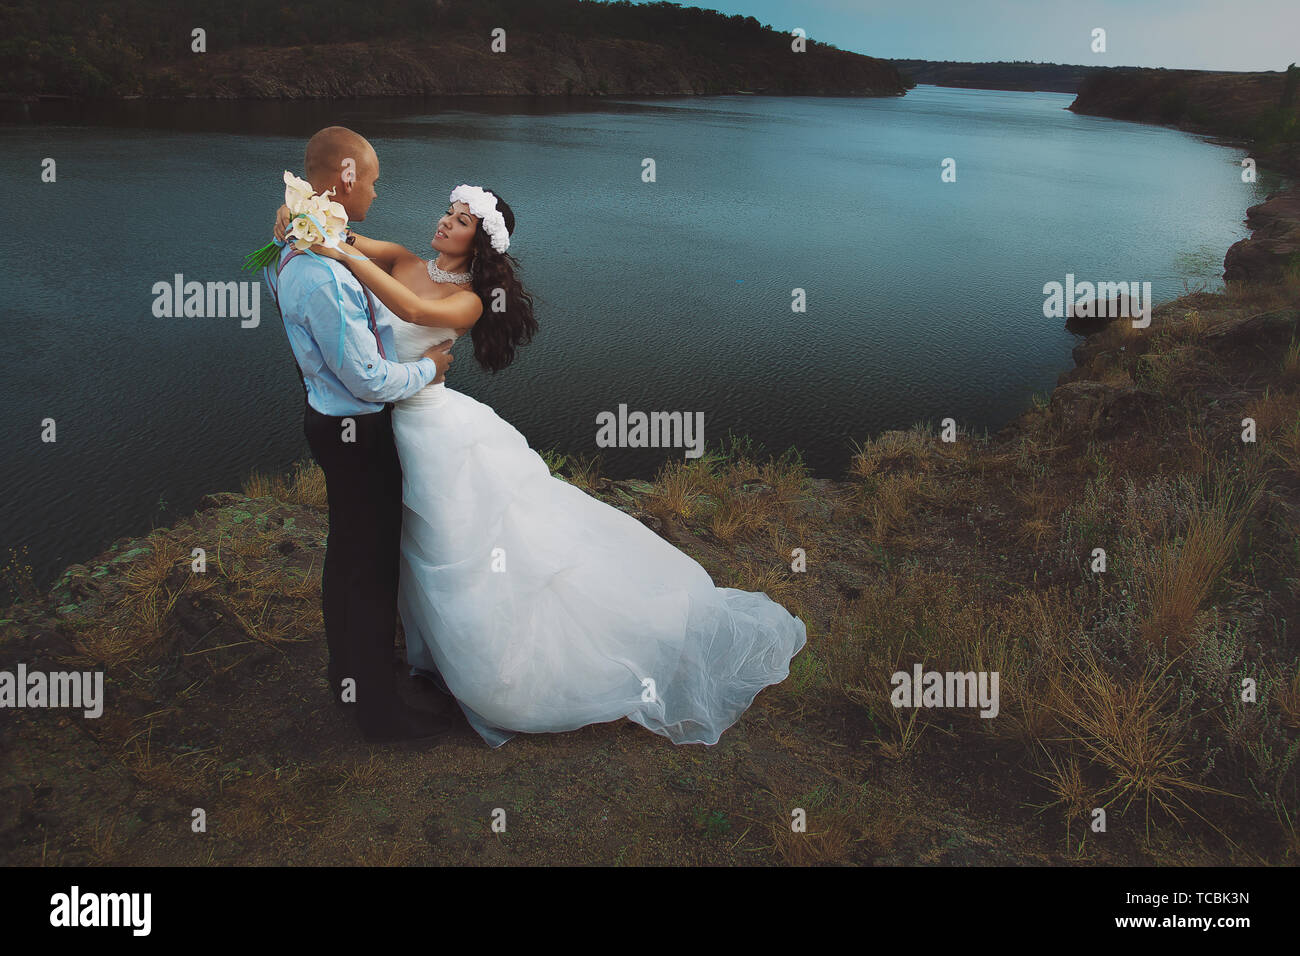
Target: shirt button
pixel 368 365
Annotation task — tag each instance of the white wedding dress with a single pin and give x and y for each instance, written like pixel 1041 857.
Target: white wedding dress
pixel 545 609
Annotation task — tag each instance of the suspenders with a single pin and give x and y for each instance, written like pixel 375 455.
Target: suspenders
pixel 370 315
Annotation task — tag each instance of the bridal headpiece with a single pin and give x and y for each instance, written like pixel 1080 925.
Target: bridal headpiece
pixel 484 205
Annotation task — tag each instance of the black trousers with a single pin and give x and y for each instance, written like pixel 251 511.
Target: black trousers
pixel 363 479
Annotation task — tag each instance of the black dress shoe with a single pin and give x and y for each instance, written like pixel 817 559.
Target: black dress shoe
pixel 406 723
pixel 432 679
pixel 424 696
pixel 438 705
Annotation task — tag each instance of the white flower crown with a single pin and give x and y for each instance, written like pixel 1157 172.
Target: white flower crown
pixel 484 205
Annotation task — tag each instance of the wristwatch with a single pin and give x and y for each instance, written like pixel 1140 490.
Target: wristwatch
pixel 349 237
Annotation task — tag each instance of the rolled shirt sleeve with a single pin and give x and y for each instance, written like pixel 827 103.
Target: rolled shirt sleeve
pixel 361 370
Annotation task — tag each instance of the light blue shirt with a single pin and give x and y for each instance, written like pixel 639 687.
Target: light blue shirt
pixel 330 336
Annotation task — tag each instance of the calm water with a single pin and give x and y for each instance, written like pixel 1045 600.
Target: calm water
pixel 924 298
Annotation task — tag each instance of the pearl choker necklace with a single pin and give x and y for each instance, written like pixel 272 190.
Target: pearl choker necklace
pixel 442 275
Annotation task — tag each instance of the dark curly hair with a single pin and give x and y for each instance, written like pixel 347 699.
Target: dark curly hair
pixel 497 335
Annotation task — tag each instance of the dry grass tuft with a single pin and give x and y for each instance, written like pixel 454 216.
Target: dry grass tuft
pixel 306 486
pixel 1180 576
pixel 679 489
pixel 1128 728
pixel 1074 796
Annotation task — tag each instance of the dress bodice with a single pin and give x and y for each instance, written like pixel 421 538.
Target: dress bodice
pixel 410 342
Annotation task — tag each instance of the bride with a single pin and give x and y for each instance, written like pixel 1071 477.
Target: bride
pixel 542 608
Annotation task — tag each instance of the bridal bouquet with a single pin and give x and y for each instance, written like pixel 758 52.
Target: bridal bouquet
pixel 312 219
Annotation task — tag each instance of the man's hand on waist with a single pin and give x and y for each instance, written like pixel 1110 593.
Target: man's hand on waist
pixel 441 355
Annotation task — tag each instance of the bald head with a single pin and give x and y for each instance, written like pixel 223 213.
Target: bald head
pixel 340 159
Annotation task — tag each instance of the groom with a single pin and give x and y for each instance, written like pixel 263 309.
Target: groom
pixel 342 339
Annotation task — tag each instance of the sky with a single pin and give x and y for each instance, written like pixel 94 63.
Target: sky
pixel 1175 34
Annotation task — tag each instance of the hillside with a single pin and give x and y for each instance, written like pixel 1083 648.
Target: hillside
pixel 1001 75
pixel 1263 107
pixel 404 47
